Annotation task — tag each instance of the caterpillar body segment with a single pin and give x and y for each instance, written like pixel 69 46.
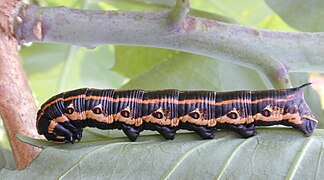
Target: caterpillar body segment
pixel 62 117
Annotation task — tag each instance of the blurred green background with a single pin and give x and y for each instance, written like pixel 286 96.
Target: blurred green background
pixel 52 68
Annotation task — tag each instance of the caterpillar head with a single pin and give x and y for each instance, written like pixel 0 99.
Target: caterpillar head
pixel 55 116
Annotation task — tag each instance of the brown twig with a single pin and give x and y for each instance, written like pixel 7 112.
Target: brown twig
pixel 17 105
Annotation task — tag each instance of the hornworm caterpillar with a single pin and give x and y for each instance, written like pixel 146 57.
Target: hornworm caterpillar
pixel 62 117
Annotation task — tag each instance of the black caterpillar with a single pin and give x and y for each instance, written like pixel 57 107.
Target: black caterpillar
pixel 62 118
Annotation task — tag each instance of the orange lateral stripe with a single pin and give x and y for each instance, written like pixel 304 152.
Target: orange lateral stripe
pixel 268 99
pixel 187 101
pixel 62 99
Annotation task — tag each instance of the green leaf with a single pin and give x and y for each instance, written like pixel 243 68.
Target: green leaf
pixel 188 71
pixel 132 61
pixel 88 134
pixel 41 143
pixel 300 14
pixel 157 5
pixel 248 12
pixel 54 68
pixel 287 154
pixel 6 157
pixel 67 3
pixel 2 159
pixel 274 22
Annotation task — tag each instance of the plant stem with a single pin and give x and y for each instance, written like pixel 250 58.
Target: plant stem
pixel 179 13
pixel 271 52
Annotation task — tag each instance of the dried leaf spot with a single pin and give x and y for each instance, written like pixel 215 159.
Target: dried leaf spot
pixel 37 30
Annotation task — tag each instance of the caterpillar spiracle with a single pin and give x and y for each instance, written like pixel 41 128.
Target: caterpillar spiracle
pixel 62 117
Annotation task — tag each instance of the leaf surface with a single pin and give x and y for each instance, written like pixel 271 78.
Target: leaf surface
pixel 282 150
pixel 302 15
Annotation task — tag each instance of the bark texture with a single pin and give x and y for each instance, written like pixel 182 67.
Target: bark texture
pixel 17 105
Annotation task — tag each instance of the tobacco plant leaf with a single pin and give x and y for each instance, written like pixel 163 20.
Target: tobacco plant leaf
pixel 274 153
pixel 302 15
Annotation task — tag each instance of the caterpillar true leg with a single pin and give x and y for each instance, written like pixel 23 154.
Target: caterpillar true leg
pixel 77 133
pixel 55 138
pixel 60 130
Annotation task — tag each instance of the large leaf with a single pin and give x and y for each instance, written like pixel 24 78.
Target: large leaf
pixel 274 153
pixel 132 61
pixel 300 14
pixel 67 3
pixel 188 71
pixel 53 68
pixel 6 158
pixel 153 68
pixel 157 5
pixel 248 12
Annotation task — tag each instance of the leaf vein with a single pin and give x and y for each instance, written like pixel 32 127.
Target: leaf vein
pixel 319 161
pixel 88 155
pixel 299 158
pixel 177 163
pixel 232 155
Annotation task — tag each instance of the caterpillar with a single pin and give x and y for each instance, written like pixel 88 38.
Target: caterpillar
pixel 62 117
